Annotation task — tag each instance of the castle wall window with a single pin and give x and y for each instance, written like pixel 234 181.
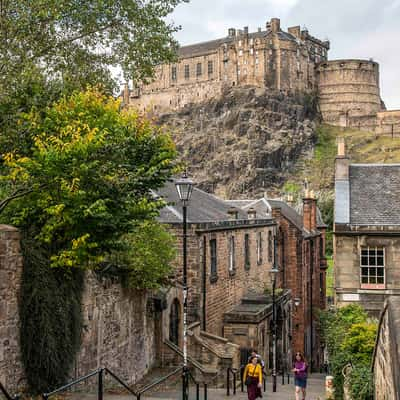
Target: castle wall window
pixel 213 260
pixel 187 72
pixel 173 73
pixel 372 264
pixel 251 41
pixel 240 53
pixel 247 251
pixel 198 69
pixel 251 51
pixel 257 61
pixel 211 68
pixel 240 43
pixel 231 255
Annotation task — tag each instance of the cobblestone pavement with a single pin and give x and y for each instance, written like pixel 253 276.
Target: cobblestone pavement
pixel 315 391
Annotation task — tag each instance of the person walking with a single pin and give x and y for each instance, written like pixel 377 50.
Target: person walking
pixel 253 378
pixel 259 358
pixel 300 376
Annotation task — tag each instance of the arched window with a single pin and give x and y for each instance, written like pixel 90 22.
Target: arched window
pixel 174 321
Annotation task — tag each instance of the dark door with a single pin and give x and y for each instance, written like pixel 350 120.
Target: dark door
pixel 174 317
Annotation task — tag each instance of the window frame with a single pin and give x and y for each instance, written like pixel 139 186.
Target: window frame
pixel 174 73
pixel 370 267
pixel 213 260
pixel 210 67
pixel 246 253
pixel 231 258
pixel 199 69
pixel 187 71
pixel 259 244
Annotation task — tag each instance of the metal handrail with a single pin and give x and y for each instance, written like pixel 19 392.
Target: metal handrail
pixel 73 383
pixel 157 382
pixel 233 372
pixel 121 382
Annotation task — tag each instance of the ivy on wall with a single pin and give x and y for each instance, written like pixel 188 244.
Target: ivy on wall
pixel 51 320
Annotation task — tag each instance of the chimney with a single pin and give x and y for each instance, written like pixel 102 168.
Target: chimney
pixel 251 213
pixel 309 211
pixel 258 29
pixel 341 162
pixel 231 32
pixel 268 26
pixel 290 199
pixel 233 213
pixel 246 30
pixel 275 25
pixel 295 31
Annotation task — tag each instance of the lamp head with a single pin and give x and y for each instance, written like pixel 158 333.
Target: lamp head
pixel 184 187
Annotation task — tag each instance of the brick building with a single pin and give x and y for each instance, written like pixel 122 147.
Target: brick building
pixel 270 57
pixel 230 254
pixel 302 265
pixel 366 232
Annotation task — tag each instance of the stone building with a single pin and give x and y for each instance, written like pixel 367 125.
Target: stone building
pixel 386 358
pixel 230 254
pixel 270 57
pixel 366 232
pixel 301 260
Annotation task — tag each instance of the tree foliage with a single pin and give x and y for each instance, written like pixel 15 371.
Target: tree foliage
pixel 78 40
pixel 350 339
pixel 88 179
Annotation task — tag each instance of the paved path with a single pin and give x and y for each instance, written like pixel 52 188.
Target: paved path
pixel 315 391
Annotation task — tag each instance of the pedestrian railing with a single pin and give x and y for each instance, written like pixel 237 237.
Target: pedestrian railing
pixel 100 373
pixel 6 394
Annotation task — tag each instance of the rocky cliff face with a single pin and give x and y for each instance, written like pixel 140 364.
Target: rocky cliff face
pixel 245 143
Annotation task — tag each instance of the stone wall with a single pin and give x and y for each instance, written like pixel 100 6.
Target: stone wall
pixel 11 373
pixel 388 123
pixel 120 327
pixel 348 89
pixel 118 330
pixel 386 354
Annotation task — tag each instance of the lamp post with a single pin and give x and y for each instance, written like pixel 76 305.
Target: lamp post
pixel 273 273
pixel 184 187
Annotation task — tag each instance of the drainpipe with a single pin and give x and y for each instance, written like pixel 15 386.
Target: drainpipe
pixel 204 283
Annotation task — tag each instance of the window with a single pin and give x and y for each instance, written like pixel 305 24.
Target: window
pixel 372 263
pixel 213 260
pixel 251 51
pixel 259 248
pixel 173 73
pixel 240 43
pixel 231 255
pixel 246 251
pixel 187 72
pixel 210 68
pixel 198 69
pixel 270 246
pixel 257 61
pixel 240 53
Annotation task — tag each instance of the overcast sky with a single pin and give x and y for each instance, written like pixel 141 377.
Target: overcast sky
pixel 356 28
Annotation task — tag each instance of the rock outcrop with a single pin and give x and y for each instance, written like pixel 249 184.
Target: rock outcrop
pixel 245 143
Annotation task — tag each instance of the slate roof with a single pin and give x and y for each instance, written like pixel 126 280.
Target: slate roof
pixel 320 221
pixel 374 195
pixel 261 206
pixel 203 207
pixel 289 212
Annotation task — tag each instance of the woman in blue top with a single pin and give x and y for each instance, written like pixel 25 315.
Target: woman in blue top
pixel 300 375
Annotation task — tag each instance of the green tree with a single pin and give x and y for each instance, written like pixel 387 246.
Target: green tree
pixel 78 40
pixel 81 198
pixel 88 179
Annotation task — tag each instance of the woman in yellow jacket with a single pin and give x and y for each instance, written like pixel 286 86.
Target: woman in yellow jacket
pixel 253 378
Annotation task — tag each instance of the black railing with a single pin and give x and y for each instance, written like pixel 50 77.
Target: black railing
pixel 157 382
pixel 100 385
pixel 6 394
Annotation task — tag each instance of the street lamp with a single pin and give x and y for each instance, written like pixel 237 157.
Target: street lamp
pixel 184 187
pixel 273 273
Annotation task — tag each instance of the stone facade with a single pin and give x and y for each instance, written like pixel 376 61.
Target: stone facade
pixel 349 93
pixel 120 328
pixel 366 233
pixel 301 254
pixel 388 123
pixel 386 357
pixel 269 58
pixel 11 372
